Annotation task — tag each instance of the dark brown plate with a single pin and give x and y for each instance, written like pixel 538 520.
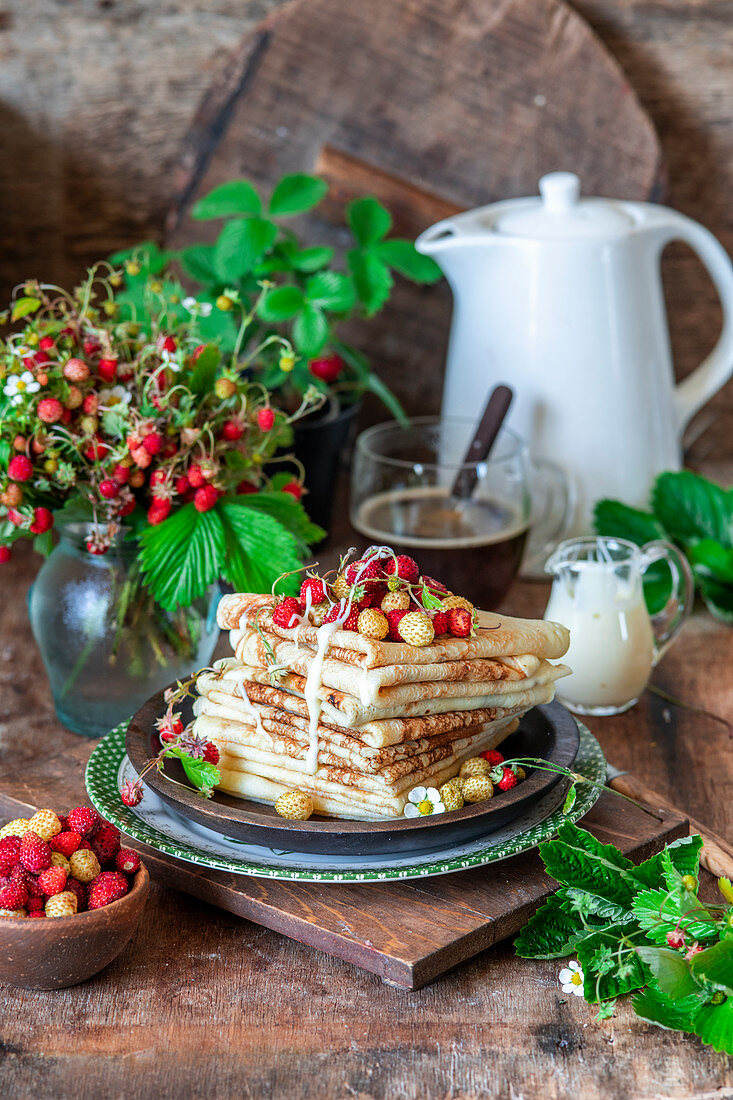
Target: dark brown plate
pixel 549 732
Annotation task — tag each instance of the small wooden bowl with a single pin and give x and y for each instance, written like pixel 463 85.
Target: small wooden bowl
pixel 64 951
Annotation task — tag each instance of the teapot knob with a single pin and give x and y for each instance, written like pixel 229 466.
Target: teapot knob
pixel 560 191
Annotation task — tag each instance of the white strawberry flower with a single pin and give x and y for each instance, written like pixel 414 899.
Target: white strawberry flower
pixel 423 801
pixel 571 979
pixel 196 308
pixel 18 385
pixel 118 395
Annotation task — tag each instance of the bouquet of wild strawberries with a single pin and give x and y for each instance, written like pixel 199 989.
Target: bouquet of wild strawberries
pixel 141 431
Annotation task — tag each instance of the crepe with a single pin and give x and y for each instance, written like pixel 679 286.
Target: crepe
pixel 496 636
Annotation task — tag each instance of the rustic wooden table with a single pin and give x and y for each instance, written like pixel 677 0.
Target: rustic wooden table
pixel 205 1004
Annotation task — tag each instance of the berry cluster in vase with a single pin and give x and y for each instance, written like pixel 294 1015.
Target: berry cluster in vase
pixel 382 595
pixel 58 865
pixel 123 425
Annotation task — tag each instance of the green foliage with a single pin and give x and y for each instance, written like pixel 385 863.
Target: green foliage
pixel 203 775
pixel 295 194
pixel 696 515
pixel 619 933
pixel 182 556
pixel 237 197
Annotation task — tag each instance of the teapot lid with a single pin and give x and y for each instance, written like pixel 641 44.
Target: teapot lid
pixel 559 212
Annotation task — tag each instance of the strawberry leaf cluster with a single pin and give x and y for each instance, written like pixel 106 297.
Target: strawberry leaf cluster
pixel 639 929
pixel 295 342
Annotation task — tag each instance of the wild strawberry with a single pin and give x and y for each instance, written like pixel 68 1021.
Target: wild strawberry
pixel 61 905
pixel 416 628
pixel 121 474
pixel 168 344
pixel 493 756
pixel 246 487
pixel 9 854
pixel 20 443
pixel 316 588
pixel 169 727
pixel 74 399
pixel 108 887
pixel 287 613
pixel 197 351
pixel 42 521
pixel 440 623
pixel 106 843
pixel 460 622
pixel 95 547
pixel 153 442
pixel 335 612
pixel 159 511
pixel 91 347
pixel 84 865
pixel 137 479
pixel 50 410
pixel 360 571
pixel 676 938
pixel 395 601
pixel 34 854
pixel 508 780
pixel 108 488
pixel 404 567
pixel 97 449
pixel 90 404
pixel 45 823
pixel 127 861
pixel 131 793
pixel 205 498
pixel 35 904
pixel 5 554
pixel 40 358
pixel 17 518
pixel 351 622
pixel 20 468
pixel 37 913
pixel 107 369
pixel 76 370
pixel 232 430
pixel 265 419
pixel 433 586
pixel 373 624
pixel 182 484
pixel 46 343
pixel 52 881
pixel 79 890
pixel 66 842
pixel 83 819
pixel 13 896
pixel 196 477
pixel 141 457
pixel 394 618
pixel 327 368
pixel 211 753
pixel 294 488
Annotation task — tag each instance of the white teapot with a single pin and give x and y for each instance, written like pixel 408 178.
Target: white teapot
pixel 561 297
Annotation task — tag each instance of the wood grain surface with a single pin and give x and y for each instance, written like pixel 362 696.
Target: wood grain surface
pixel 268 1017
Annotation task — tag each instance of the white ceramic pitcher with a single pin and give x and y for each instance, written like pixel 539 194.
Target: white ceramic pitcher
pixel 561 297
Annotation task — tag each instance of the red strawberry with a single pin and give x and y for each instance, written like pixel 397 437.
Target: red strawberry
pixel 294 488
pixel 128 861
pixel 316 589
pixel 42 521
pixel 436 587
pixel 493 756
pixel 460 622
pixel 196 477
pixel 404 567
pixel 106 843
pixel 9 853
pixel 83 819
pixel 36 913
pixel 35 854
pixel 131 793
pixel 364 571
pixel 440 623
pixel 394 618
pixel 50 410
pixel 232 430
pixel 20 468
pixel 159 511
pixel 351 621
pixel 66 842
pixel 265 419
pixel 327 368
pixel 108 488
pixel 182 484
pixel 246 487
pixel 89 405
pixel 335 612
pixel 168 344
pixel 121 474
pixel 288 613
pixel 153 442
pixel 76 370
pixel 53 880
pixel 13 896
pixel 169 728
pixel 79 889
pixel 46 343
pixel 205 498
pixel 508 780
pixel 107 887
pixel 211 753
pixel 107 369
pixel 5 554
pixel 35 903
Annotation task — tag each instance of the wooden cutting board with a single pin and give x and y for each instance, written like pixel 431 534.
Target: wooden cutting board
pixel 407 933
pixel 432 105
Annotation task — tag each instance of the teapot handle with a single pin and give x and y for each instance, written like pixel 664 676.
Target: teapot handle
pixel 715 370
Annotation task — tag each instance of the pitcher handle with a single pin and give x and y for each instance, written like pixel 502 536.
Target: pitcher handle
pixel 715 370
pixel 551 521
pixel 668 622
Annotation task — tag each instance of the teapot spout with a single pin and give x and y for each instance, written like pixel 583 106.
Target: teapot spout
pixel 451 233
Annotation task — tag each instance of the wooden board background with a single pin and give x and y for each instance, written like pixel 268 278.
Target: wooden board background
pixel 96 98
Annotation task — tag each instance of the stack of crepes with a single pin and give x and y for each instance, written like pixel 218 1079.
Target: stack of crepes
pixel 356 722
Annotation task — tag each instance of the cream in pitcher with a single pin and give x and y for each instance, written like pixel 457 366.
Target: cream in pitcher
pixel 598 595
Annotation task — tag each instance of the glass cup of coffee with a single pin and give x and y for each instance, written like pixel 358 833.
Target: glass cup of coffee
pixel 401 496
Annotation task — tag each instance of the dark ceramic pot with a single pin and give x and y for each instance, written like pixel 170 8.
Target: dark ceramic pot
pixel 319 442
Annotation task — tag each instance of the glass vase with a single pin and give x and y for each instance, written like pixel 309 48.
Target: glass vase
pixel 107 646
